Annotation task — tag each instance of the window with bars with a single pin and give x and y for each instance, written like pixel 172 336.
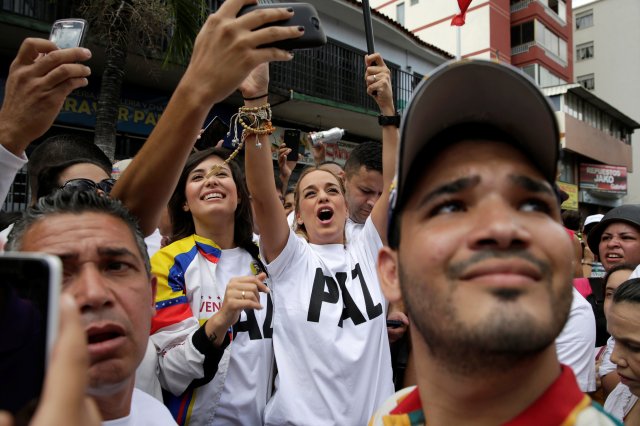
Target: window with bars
pixel 587 81
pixel 584 20
pixel 584 51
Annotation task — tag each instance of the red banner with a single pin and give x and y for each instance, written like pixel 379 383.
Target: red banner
pixel 458 20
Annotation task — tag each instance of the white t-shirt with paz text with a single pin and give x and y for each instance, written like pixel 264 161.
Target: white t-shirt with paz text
pixel 329 333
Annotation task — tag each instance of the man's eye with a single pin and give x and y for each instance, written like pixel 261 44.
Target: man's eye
pixel 117 266
pixel 447 207
pixel 535 205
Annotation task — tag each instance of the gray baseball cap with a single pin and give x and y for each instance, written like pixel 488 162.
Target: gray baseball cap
pixel 475 92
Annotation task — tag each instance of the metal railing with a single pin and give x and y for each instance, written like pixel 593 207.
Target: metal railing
pixel 515 7
pixel 336 72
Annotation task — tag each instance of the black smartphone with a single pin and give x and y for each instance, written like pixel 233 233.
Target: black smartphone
pixel 304 15
pixel 213 131
pixel 394 323
pixel 292 140
pixel 29 292
pixel 67 33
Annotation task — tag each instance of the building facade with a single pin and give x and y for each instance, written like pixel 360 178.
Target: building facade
pixel 535 35
pixel 321 88
pixel 607 62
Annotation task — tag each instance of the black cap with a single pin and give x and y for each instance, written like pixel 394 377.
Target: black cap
pixel 476 92
pixel 629 213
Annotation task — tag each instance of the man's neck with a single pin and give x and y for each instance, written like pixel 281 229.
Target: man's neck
pixel 484 399
pixel 115 405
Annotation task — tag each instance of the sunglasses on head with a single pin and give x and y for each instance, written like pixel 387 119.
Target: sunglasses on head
pixel 88 185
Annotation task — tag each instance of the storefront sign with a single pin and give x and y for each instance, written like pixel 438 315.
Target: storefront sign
pixel 603 178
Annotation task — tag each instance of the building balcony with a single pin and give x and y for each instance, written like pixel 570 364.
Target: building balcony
pixel 524 48
pixel 556 15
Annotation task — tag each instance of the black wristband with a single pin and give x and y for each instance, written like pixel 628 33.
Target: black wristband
pixel 255 98
pixel 389 120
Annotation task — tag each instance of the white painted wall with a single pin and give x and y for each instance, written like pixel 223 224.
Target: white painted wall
pixel 475 32
pixel 615 65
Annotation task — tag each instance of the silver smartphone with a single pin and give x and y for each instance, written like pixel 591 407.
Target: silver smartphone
pixel 29 294
pixel 67 33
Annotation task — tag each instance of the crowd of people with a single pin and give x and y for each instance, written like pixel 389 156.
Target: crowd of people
pixel 212 292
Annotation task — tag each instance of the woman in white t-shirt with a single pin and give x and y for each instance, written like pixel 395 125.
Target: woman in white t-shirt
pixel 330 336
pixel 211 331
pixel 623 322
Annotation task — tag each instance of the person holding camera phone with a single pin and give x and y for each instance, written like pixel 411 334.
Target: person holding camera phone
pixel 329 333
pixel 40 78
pixel 199 363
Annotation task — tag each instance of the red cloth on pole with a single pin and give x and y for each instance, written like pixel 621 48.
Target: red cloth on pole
pixel 458 20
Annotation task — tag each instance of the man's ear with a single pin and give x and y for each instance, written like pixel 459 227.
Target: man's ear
pixel 388 274
pixel 154 288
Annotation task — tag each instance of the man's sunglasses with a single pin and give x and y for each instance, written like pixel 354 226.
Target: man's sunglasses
pixel 88 185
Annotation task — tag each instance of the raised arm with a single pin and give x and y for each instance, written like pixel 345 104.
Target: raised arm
pixel 40 78
pixel 224 53
pixel 378 78
pixel 269 212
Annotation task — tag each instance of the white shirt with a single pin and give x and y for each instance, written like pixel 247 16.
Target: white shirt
pixel 620 401
pixel 606 366
pixel 635 273
pixel 10 164
pixel 145 411
pixel 575 345
pixel 239 391
pixel 329 333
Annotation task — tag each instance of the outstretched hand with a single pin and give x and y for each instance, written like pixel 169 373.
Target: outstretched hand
pixel 378 79
pixel 256 83
pixel 40 78
pixel 64 399
pixel 226 49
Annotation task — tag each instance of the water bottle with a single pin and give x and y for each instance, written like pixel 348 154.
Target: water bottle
pixel 327 136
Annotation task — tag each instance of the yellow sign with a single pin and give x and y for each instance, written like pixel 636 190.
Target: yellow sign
pixel 572 190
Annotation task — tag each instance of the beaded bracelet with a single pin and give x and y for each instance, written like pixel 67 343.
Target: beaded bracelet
pixel 253 120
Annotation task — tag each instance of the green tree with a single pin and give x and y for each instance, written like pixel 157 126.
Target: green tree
pixel 148 27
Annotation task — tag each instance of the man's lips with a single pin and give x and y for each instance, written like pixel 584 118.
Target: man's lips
pixel 104 340
pixel 502 272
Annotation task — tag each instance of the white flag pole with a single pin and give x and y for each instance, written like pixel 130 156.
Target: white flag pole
pixel 458 39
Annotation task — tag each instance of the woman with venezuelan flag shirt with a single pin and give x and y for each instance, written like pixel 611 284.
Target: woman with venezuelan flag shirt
pixel 212 333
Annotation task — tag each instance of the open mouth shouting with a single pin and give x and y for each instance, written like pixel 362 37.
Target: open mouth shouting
pixel 325 214
pixel 104 340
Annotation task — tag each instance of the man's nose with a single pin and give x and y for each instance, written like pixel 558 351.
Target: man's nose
pixel 498 226
pixel 90 289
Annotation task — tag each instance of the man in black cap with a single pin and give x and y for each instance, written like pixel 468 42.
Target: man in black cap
pixel 478 253
pixel 616 239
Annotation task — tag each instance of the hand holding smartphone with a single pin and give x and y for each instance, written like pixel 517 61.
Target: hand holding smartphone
pixel 29 291
pixel 292 140
pixel 66 33
pixel 304 15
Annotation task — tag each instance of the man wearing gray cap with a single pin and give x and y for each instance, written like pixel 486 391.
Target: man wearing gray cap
pixel 478 253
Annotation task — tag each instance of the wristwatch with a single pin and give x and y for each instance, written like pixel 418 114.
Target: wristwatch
pixel 389 120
